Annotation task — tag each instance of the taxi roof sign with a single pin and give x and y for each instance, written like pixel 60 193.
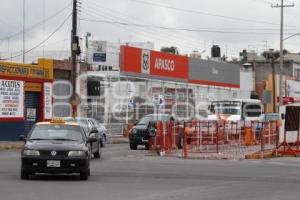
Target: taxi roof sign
pixel 57 121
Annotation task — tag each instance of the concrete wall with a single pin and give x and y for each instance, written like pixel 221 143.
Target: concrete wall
pixel 264 69
pixel 214 71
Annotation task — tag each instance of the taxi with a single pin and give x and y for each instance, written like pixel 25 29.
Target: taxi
pixel 56 147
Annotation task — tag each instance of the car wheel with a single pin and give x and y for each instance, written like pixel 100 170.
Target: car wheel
pixel 133 145
pixel 147 146
pixel 84 176
pixel 98 153
pixel 24 175
pixel 102 141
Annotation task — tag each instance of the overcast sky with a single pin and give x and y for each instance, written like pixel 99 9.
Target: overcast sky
pixel 232 24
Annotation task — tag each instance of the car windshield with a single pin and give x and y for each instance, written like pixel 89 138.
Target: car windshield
pixel 229 108
pixel 145 120
pixel 56 132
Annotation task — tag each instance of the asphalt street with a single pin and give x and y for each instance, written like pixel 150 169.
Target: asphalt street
pixel 124 174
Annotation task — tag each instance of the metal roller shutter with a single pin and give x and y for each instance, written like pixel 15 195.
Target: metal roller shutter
pixel 31 103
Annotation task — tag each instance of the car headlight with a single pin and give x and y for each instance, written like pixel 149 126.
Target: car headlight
pixel 134 131
pixel 30 152
pixel 76 153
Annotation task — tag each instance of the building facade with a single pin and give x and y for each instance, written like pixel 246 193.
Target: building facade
pixel 150 81
pixel 25 96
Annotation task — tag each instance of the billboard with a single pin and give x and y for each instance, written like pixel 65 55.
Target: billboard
pixel 11 99
pixel 164 66
pixel 150 63
pixel 99 51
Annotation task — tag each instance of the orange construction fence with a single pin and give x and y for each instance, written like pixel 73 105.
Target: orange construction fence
pixel 211 136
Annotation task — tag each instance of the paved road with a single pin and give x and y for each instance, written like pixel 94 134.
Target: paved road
pixel 124 174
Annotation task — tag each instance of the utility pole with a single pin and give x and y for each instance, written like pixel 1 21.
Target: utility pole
pixel 74 48
pixel 281 6
pixel 24 31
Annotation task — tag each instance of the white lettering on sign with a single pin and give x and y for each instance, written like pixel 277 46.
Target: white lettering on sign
pixel 164 64
pixel 11 99
pixel 47 100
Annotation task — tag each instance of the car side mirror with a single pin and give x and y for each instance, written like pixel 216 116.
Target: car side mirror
pixel 135 123
pixel 22 138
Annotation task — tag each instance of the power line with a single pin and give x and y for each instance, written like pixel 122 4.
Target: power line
pixel 37 24
pixel 264 28
pixel 41 43
pixel 148 34
pixel 281 6
pixel 263 1
pixel 205 13
pixel 177 28
pixel 114 15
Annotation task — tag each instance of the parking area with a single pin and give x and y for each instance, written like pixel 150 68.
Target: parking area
pixel 125 174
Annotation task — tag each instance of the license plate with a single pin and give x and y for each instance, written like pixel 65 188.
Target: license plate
pixel 53 163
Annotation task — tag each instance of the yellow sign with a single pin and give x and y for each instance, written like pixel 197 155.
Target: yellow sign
pixel 33 87
pixel 43 70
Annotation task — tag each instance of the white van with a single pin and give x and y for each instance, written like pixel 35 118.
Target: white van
pixel 235 109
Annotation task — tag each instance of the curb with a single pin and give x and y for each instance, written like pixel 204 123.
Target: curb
pixel 260 155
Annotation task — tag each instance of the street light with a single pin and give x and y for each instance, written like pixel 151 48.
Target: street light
pixel 271 56
pixel 291 36
pixel 88 34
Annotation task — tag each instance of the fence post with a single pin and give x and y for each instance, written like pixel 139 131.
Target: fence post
pixel 262 140
pixel 185 134
pixel 217 139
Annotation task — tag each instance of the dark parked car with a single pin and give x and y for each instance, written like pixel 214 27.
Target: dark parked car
pixel 88 126
pixel 56 147
pixel 139 134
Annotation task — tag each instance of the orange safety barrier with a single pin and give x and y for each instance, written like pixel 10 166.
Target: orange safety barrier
pixel 221 136
pixel 167 137
pixel 288 148
pixel 126 128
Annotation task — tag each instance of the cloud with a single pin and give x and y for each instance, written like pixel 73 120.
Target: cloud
pixel 213 15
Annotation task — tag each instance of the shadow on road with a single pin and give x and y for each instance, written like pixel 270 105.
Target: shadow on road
pixel 55 177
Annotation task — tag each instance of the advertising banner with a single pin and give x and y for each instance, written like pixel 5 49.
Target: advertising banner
pixel 43 70
pixel 166 66
pixel 31 114
pixel 11 99
pixel 47 100
pixel 154 63
pixel 99 51
pixel 169 65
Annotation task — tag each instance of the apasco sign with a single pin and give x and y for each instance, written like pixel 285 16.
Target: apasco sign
pixel 142 61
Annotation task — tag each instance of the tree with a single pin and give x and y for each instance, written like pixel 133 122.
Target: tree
pixel 172 50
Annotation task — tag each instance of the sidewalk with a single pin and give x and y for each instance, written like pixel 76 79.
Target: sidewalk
pixel 9 145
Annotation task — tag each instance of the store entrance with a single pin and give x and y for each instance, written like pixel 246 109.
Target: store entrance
pixel 31 110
